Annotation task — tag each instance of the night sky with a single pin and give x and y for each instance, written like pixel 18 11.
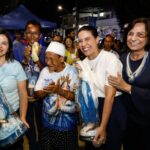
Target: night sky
pixel 47 9
pixel 126 10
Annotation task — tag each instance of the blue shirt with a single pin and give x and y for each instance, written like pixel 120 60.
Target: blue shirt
pixel 18 52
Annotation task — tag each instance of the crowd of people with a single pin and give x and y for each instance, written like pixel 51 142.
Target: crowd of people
pixel 52 87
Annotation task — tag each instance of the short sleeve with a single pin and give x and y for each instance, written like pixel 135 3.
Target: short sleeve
pixel 39 83
pixel 20 73
pixel 113 68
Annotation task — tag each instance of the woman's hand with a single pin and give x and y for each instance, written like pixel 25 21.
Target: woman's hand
pixel 27 52
pixel 100 137
pixel 25 122
pixel 119 83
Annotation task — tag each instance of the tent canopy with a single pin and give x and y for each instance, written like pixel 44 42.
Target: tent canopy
pixel 17 19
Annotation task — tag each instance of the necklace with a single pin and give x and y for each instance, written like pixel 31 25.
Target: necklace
pixel 93 63
pixel 133 75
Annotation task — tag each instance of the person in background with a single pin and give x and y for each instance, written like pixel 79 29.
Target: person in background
pixel 70 33
pixel 80 56
pixel 118 46
pixel 57 38
pixel 18 37
pixel 17 46
pixel 71 55
pixel 13 82
pixel 33 61
pixel 108 43
pixel 56 86
pixel 111 111
pixel 135 84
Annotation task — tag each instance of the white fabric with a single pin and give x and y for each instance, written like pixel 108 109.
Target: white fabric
pixel 67 79
pixel 57 48
pixel 87 75
pixel 46 77
pixel 102 66
pixel 35 50
pixel 113 52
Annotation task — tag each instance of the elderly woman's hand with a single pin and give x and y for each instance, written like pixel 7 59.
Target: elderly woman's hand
pixel 52 88
pixel 119 83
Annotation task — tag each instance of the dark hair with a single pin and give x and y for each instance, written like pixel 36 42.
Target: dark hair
pixel 109 35
pixel 57 35
pixel 9 54
pixel 68 37
pixel 35 23
pixel 146 22
pixel 90 29
pixel 68 31
pixel 17 32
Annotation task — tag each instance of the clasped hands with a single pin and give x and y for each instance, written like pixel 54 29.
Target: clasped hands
pixel 52 88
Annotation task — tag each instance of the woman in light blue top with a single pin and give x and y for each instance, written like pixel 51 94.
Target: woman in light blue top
pixel 12 81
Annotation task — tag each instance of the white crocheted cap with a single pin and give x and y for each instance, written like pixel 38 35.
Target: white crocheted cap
pixel 57 48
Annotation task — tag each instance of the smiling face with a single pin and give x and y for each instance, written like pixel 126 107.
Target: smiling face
pixel 4 45
pixel 88 44
pixel 68 42
pixel 108 43
pixel 137 37
pixel 32 33
pixel 54 61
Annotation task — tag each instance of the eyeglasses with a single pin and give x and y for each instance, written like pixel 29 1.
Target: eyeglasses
pixel 138 34
pixel 32 33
